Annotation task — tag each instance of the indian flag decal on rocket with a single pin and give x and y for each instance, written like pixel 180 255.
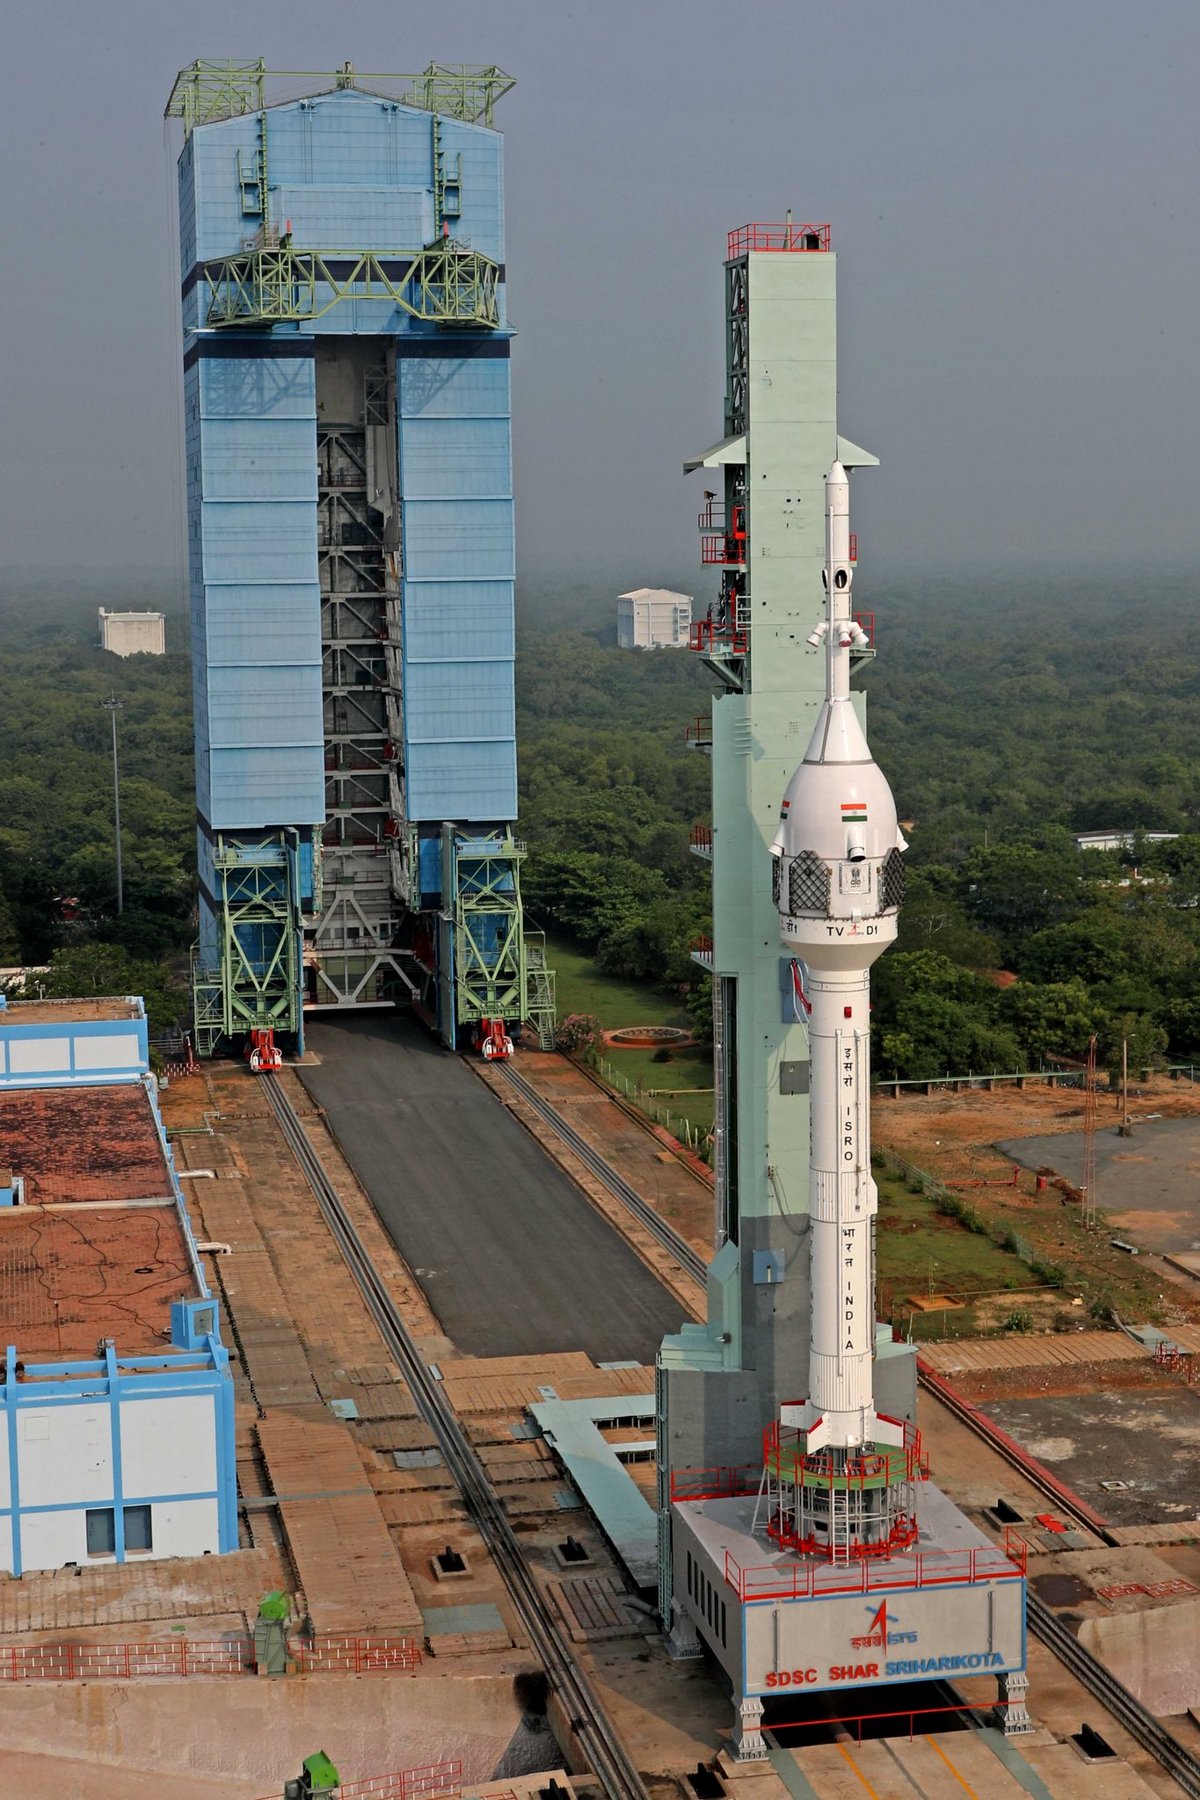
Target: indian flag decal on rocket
pixel 854 812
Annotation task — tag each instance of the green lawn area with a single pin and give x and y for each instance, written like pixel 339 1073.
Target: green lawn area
pixel 581 987
pixel 920 1251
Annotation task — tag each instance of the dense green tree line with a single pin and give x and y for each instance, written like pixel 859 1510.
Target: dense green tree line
pixel 57 857
pixel 1007 721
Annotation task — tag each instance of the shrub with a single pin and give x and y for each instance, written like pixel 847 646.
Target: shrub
pixel 578 1032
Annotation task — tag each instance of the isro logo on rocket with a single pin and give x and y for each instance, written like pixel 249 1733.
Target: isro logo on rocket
pixel 879 1633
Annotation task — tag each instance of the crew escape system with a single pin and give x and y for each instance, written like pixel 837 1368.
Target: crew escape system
pixel 346 390
pixel 801 1542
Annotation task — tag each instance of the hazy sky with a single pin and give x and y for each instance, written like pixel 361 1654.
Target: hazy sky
pixel 1014 197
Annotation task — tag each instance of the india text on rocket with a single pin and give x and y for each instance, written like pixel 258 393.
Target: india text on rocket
pixel 838 883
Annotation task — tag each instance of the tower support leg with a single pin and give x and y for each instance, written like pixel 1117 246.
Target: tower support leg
pixel 1012 1714
pixel 683 1640
pixel 748 1741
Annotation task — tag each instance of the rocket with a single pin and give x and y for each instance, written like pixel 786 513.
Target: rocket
pixel 838 884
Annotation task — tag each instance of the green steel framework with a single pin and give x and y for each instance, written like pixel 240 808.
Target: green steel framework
pixel 499 969
pixel 207 91
pixel 444 284
pixel 256 889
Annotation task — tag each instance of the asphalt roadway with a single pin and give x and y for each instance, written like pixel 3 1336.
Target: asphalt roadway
pixel 510 1255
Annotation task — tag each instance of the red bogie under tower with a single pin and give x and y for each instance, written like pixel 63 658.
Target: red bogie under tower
pixel 493 1040
pixel 262 1052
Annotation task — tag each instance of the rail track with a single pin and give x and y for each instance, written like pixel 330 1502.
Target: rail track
pixel 594 1732
pixel 663 1234
pixel 1116 1698
pixel 1129 1712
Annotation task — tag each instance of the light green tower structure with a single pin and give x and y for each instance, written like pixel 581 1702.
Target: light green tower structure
pixel 721 1383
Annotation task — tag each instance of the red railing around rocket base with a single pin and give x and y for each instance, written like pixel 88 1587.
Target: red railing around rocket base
pixel 934 1568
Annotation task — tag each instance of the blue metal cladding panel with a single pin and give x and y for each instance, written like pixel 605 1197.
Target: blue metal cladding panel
pixel 467 620
pixel 346 171
pixel 456 487
pixel 347 218
pixel 252 482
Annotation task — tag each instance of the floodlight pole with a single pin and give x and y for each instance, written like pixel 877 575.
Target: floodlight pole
pixel 112 707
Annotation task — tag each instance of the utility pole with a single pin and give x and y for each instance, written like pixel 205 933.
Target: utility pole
pixel 112 707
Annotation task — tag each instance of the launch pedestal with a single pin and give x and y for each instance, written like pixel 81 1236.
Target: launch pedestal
pixel 786 1624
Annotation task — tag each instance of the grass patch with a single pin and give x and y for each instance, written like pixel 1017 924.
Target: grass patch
pixel 580 986
pixel 922 1249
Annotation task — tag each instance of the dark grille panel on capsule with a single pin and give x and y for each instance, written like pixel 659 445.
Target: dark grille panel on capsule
pixel 776 879
pixel 892 881
pixel 808 884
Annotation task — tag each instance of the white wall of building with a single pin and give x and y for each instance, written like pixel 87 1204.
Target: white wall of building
pixel 65 1462
pixel 653 619
pixel 168 1446
pixel 133 633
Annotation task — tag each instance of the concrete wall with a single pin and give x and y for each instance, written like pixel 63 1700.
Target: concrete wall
pixel 240 1728
pixel 1153 1652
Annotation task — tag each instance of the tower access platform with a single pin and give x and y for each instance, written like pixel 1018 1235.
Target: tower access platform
pixel 350 524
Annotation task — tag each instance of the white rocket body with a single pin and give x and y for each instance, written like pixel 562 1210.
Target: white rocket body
pixel 839 884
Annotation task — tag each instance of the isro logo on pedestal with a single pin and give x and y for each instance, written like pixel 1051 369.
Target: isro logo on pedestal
pixel 879 1633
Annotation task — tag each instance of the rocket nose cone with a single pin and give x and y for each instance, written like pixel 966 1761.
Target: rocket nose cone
pixel 837 474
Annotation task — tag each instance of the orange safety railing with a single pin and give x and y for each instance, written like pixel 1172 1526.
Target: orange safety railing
pixel 784 1454
pixel 701 837
pixel 358 1656
pixel 192 1656
pixel 713 638
pixel 852 553
pixel 727 552
pixel 932 1568
pixel 712 518
pixel 125 1662
pixel 426 1783
pixel 716 1483
pixel 703 946
pixel 866 623
pixel 871 1719
pixel 699 731
pixel 788 236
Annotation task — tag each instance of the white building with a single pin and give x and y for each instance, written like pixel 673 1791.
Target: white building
pixel 1121 840
pixel 653 619
pixel 133 633
pixel 116 1399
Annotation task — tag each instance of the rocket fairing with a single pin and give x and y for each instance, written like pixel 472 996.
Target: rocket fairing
pixel 838 884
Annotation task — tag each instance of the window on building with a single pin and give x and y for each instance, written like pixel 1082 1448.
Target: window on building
pixel 101 1531
pixel 138 1535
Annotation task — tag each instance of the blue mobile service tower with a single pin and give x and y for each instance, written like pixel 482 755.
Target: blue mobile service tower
pixel 350 527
